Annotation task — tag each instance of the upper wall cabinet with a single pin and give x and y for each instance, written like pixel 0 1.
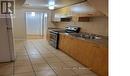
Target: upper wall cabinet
pixel 101 5
pixel 75 11
pixel 83 9
pixel 61 13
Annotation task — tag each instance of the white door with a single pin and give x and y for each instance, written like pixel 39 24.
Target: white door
pixel 6 40
pixel 34 23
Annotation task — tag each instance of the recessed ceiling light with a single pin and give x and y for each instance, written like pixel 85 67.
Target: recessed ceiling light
pixel 51 4
pixel 51 7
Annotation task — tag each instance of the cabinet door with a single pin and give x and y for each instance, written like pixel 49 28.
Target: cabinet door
pixel 61 42
pixel 84 53
pixel 95 57
pixel 100 62
pixel 68 44
pixel 72 46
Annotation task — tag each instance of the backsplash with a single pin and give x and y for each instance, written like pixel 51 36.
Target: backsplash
pixel 96 25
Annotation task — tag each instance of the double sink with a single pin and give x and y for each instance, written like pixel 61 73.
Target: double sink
pixel 86 36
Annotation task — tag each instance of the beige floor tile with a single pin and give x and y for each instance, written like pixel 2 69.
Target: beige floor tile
pixel 66 59
pixel 81 71
pixel 25 74
pixel 62 70
pixel 19 46
pixel 35 56
pixel 39 52
pixel 58 65
pixel 22 62
pixel 46 73
pixel 66 73
pixel 21 53
pixel 73 63
pixel 41 67
pixel 23 69
pixel 37 60
pixel 53 60
pixel 44 51
pixel 48 55
pixel 22 57
pixel 30 47
pixel 88 75
pixel 60 54
pixel 53 51
pixel 33 53
pixel 78 68
pixel 20 50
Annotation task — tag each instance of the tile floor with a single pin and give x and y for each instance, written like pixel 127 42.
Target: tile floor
pixel 38 58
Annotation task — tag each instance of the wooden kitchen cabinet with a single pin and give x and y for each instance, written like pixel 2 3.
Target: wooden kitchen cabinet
pixel 87 53
pixel 61 13
pixel 84 10
pixel 75 11
pixel 101 5
pixel 61 42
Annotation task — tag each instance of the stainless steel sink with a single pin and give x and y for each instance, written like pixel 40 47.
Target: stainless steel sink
pixel 86 35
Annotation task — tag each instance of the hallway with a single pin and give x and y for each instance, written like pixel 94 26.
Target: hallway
pixel 38 58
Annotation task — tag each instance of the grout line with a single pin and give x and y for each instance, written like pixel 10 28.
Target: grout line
pixel 61 59
pixel 38 43
pixel 66 64
pixel 44 58
pixel 30 60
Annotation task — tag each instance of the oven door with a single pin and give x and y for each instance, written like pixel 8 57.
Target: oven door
pixel 54 39
pixel 53 36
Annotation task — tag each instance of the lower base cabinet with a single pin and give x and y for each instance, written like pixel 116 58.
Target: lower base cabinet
pixel 94 56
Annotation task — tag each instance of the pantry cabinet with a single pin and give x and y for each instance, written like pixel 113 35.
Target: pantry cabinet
pixel 87 53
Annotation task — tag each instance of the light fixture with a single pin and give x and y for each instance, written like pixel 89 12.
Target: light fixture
pixel 45 15
pixel 33 14
pixel 51 4
pixel 51 7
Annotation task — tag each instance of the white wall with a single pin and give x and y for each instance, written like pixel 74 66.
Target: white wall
pixel 19 21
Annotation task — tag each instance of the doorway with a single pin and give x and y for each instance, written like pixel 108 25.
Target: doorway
pixel 34 25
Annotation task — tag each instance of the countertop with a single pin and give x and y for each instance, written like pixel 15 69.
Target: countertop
pixel 102 42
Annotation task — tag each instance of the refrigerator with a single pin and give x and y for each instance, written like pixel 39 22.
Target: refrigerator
pixel 7 53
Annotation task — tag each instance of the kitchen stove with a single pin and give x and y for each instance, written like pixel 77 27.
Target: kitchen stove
pixel 54 34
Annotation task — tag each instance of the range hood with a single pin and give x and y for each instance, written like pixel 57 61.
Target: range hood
pixel 66 19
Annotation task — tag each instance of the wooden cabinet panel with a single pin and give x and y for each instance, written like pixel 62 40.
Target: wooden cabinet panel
pixel 83 9
pixel 101 5
pixel 62 42
pixel 90 54
pixel 77 10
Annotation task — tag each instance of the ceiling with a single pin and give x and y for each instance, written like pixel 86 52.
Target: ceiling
pixel 44 3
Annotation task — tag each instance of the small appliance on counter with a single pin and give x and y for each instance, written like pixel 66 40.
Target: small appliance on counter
pixel 54 34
